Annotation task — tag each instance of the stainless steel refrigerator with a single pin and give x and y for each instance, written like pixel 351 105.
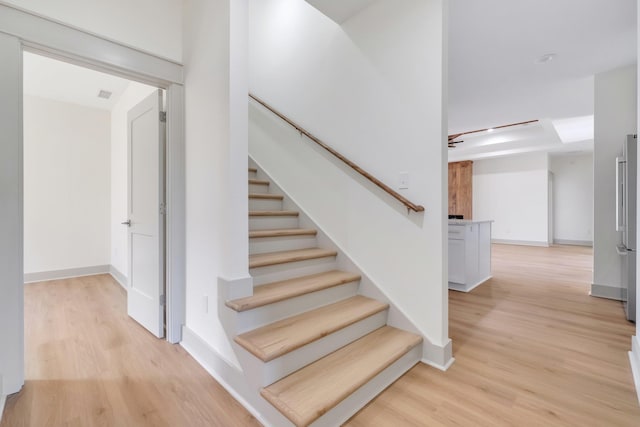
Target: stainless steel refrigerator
pixel 626 191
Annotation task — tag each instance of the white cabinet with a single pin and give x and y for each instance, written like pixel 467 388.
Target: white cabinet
pixel 456 261
pixel 469 254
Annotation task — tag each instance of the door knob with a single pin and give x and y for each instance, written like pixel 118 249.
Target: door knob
pixel 127 223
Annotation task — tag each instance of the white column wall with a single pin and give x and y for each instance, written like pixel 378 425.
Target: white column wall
pixel 634 354
pixel 216 157
pixel 615 117
pixel 11 223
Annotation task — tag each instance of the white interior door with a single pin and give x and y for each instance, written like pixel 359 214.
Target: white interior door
pixel 146 135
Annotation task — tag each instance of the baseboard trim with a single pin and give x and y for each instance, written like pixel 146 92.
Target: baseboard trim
pixel 520 242
pixel 588 243
pixel 607 292
pixel 463 288
pixel 221 369
pixel 440 357
pixel 634 359
pixel 3 398
pixel 3 401
pixel 42 276
pixel 119 277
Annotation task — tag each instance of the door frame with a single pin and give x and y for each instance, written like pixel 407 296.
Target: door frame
pixel 47 37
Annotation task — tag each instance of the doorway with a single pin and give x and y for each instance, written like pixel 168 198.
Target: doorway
pixel 39 35
pixel 79 163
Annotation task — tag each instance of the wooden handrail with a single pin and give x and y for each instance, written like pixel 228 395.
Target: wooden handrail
pixel 352 165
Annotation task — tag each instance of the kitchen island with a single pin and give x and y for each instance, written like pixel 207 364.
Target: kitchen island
pixel 469 254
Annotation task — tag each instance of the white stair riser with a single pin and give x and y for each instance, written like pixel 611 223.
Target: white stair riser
pixel 358 399
pixel 290 270
pixel 280 367
pixel 265 205
pixel 297 359
pixel 253 175
pixel 272 222
pixel 286 243
pixel 258 188
pixel 261 316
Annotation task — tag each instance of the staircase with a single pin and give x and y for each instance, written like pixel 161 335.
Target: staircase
pixel 316 350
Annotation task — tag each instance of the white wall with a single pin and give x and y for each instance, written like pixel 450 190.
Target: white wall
pixel 66 186
pixel 215 55
pixel 154 26
pixel 11 207
pixel 634 355
pixel 615 117
pixel 573 198
pixel 513 191
pixel 373 89
pixel 133 94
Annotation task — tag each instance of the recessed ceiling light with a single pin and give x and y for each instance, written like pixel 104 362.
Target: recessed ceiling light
pixel 546 58
pixel 104 94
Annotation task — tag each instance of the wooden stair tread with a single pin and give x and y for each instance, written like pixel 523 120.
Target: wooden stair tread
pixel 253 170
pixel 266 196
pixel 283 257
pixel 273 213
pixel 282 232
pixel 259 182
pixel 309 393
pixel 285 289
pixel 274 340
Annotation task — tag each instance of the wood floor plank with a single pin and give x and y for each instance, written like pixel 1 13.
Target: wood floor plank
pixel 310 392
pixel 274 340
pixel 88 364
pixel 285 289
pixel 532 348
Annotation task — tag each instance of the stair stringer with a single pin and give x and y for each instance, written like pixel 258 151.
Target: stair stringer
pixel 440 357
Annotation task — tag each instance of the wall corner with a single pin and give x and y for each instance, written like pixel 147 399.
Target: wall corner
pixel 440 357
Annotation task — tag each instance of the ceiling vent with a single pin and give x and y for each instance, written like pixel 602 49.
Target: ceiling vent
pixel 104 94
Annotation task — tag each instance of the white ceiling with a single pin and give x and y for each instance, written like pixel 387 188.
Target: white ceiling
pixel 493 75
pixel 494 78
pixel 60 81
pixel 340 10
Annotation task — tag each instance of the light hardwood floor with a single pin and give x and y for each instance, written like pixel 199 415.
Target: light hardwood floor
pixel 531 347
pixel 88 364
